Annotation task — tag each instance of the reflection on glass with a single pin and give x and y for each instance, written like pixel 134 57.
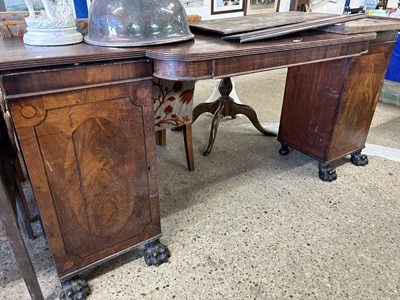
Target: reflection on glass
pixel 123 23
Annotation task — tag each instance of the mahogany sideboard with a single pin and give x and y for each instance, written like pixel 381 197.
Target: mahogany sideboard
pixel 84 121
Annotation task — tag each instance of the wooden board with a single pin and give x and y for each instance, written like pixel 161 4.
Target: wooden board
pixel 370 24
pixel 291 28
pixel 256 22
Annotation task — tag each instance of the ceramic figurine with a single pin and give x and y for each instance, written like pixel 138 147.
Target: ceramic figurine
pixel 55 25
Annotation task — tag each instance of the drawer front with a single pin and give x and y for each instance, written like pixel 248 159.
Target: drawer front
pixel 73 77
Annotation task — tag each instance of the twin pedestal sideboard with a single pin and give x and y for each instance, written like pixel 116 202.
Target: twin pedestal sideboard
pixel 85 125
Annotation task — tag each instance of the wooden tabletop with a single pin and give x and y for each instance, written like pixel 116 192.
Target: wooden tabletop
pixel 208 46
pixel 16 55
pixel 208 56
pixel 205 46
pixel 199 58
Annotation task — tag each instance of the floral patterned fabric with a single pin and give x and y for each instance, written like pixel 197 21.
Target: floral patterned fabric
pixel 173 103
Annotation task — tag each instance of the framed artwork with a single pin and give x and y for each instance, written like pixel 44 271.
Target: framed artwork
pixel 261 6
pixel 227 6
pixel 318 2
pixel 19 5
pixel 192 3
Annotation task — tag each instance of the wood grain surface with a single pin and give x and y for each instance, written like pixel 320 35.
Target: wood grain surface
pixel 370 24
pixel 332 119
pixel 90 152
pixel 256 22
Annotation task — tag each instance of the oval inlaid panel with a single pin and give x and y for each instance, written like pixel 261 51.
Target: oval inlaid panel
pixel 102 156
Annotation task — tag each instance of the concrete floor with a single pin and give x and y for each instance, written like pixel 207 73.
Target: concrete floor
pixel 249 223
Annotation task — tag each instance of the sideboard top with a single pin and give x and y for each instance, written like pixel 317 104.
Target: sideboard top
pixel 16 55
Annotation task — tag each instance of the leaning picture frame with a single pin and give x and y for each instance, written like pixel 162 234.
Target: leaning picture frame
pixel 192 3
pixel 227 6
pixel 262 6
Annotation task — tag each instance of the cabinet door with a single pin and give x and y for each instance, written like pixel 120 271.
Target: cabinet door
pixel 359 100
pixel 90 155
pixel 310 105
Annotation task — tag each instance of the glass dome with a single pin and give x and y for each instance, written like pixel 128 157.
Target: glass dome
pixel 124 23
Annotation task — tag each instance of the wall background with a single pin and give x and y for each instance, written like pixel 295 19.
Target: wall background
pixel 329 6
pixel 205 12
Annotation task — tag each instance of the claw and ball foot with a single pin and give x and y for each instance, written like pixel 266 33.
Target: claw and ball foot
pixel 74 289
pixel 156 253
pixel 359 159
pixel 326 172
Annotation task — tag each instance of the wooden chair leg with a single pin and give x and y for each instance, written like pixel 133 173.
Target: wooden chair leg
pixel 8 215
pixel 161 137
pixel 23 212
pixel 24 218
pixel 187 137
pixel 21 254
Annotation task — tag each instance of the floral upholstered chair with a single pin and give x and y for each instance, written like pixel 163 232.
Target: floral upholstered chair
pixel 173 105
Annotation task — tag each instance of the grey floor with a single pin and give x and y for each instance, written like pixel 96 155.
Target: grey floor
pixel 249 223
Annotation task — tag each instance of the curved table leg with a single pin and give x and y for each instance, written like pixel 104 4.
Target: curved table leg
pixel 205 107
pixel 218 115
pixel 251 114
pixel 225 106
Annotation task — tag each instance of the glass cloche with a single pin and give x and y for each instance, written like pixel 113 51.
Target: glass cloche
pixel 124 23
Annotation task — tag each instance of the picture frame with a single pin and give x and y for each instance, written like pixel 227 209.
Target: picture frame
pixel 262 6
pixel 19 5
pixel 192 3
pixel 227 6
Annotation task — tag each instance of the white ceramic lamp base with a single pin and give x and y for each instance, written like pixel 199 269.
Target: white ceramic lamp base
pixel 52 36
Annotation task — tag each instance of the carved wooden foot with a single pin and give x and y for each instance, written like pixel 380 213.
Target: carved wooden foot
pixel 156 253
pixel 74 288
pixel 359 159
pixel 326 172
pixel 284 150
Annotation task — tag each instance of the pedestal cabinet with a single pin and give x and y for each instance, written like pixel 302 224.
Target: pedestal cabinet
pixel 87 138
pixel 328 106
